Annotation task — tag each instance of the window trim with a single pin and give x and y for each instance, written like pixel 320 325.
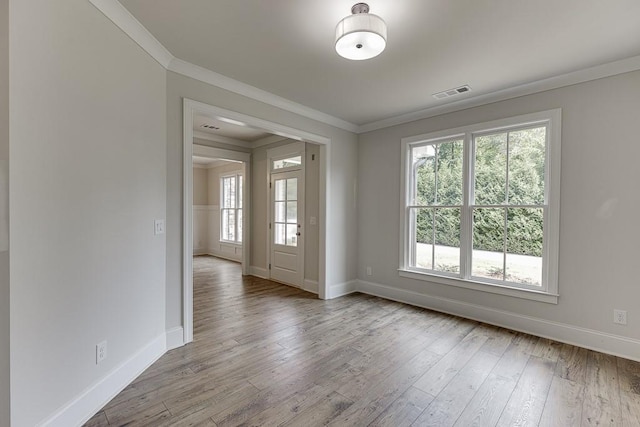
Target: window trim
pixel 551 236
pixel 237 176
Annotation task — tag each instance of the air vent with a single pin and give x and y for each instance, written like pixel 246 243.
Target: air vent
pixel 212 127
pixel 452 92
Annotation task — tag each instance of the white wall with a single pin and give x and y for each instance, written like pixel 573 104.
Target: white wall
pixel 341 244
pixel 599 231
pixel 311 209
pixel 4 214
pixel 88 178
pixel 200 186
pixel 214 245
pixel 200 210
pixel 206 212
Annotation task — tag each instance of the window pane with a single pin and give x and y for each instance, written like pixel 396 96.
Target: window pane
pixel 292 239
pixel 239 191
pixel 239 236
pixel 488 243
pixel 225 224
pixel 292 189
pixel 447 248
pixel 228 224
pixel 526 166
pixel 226 192
pixel 287 163
pixel 279 236
pixel 424 238
pixel 524 245
pixel 424 171
pixel 490 169
pixel 232 192
pixel 292 212
pixel 281 192
pixel 280 211
pixel 449 173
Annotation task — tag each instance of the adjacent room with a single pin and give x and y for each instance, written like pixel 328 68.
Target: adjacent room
pixel 319 213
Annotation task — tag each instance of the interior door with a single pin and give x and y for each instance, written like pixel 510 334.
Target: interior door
pixel 287 227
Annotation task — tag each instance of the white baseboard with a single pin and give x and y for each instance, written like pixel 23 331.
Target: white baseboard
pixel 582 337
pixel 341 289
pixel 175 338
pixel 200 251
pixel 260 272
pixel 310 286
pixel 225 255
pixel 88 403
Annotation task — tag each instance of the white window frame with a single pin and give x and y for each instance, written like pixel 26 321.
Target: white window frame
pixel 237 177
pixel 548 292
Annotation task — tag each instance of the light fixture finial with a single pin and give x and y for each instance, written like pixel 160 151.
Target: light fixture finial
pixel 361 35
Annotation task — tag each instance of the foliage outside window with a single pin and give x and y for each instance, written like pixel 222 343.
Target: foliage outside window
pixel 478 204
pixel 231 208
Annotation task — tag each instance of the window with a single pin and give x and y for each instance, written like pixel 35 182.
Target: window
pixel 481 206
pixel 231 208
pixel 289 162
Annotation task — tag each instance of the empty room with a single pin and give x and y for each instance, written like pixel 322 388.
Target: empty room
pixel 261 213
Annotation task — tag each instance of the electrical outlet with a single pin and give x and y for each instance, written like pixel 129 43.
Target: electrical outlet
pixel 620 317
pixel 369 272
pixel 101 351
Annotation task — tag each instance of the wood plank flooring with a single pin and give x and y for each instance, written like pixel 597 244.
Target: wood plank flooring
pixel 266 354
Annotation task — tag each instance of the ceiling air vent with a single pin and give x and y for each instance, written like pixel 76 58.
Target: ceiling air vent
pixel 212 127
pixel 452 92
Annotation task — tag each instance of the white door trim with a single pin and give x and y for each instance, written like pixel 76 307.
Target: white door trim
pixel 190 109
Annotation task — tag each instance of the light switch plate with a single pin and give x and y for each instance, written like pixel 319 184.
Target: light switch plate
pixel 158 226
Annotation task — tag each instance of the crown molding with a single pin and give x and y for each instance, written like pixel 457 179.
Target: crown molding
pixel 123 19
pixel 267 140
pixel 223 139
pixel 211 77
pixel 568 79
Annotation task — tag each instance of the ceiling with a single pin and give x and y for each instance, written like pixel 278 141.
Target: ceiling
pixel 286 46
pixel 210 163
pixel 225 128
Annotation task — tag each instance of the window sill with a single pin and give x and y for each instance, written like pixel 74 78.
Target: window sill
pixel 230 243
pixel 480 286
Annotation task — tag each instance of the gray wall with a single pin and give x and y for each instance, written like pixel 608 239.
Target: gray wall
pixel 600 202
pixel 342 160
pixel 4 214
pixel 88 179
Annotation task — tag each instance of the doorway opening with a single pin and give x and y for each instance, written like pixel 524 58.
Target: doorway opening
pixel 249 219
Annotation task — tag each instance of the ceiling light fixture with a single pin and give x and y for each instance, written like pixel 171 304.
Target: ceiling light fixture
pixel 361 35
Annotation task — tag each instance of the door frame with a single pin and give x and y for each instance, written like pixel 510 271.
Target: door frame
pixel 189 111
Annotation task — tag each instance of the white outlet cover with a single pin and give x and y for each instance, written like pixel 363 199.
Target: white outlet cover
pixel 101 351
pixel 620 317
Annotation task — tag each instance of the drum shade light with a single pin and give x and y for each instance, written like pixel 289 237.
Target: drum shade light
pixel 361 35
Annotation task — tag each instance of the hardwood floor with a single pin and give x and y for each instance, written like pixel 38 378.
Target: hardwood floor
pixel 266 354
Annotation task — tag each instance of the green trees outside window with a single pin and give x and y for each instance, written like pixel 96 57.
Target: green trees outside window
pixel 506 206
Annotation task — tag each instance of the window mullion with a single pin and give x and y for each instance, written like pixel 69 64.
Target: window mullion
pixel 466 223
